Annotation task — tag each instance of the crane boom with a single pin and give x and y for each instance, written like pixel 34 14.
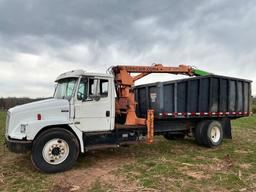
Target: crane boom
pixel 156 68
pixel 122 72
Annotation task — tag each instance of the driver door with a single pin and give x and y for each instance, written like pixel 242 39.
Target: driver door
pixel 93 104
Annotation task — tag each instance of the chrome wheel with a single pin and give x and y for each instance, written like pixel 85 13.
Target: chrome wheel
pixel 55 151
pixel 215 134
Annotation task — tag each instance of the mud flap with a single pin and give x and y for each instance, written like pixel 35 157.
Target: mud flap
pixel 226 124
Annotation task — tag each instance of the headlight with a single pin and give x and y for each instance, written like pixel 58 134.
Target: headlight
pixel 23 128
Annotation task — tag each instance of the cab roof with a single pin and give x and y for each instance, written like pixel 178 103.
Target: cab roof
pixel 78 73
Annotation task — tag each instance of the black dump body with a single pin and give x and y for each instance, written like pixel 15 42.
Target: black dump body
pixel 206 96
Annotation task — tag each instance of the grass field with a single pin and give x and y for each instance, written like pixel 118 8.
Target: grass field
pixel 254 108
pixel 162 166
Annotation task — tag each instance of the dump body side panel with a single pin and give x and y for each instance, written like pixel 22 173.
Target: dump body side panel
pixel 208 96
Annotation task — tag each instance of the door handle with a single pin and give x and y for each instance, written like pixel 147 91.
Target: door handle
pixel 107 113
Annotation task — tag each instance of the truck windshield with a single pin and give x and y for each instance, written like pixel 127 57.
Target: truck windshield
pixel 65 88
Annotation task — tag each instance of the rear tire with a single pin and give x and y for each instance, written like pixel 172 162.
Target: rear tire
pixel 55 150
pixel 212 134
pixel 209 133
pixel 198 132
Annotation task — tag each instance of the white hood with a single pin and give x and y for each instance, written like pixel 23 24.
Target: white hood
pixel 40 105
pixel 56 110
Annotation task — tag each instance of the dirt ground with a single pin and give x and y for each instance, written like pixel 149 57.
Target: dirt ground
pixel 102 171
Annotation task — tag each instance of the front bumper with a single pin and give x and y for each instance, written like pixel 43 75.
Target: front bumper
pixel 18 146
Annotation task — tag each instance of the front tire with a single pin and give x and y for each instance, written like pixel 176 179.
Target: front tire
pixel 55 150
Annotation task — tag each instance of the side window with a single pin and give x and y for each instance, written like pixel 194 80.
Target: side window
pixel 82 90
pixel 89 88
pixel 92 87
pixel 103 89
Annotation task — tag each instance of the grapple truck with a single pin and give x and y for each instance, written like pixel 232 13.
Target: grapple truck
pixel 90 111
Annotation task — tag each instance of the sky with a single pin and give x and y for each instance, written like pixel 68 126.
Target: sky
pixel 40 39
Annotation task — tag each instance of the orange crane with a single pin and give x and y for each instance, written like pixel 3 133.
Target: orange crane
pixel 125 102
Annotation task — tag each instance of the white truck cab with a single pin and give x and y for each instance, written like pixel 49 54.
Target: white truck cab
pixel 82 103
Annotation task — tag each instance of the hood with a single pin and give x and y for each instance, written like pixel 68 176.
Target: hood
pixel 41 105
pixel 50 110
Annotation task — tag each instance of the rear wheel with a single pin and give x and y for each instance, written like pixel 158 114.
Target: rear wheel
pixel 209 133
pixel 55 150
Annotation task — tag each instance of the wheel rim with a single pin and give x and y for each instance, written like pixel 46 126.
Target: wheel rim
pixel 55 151
pixel 215 134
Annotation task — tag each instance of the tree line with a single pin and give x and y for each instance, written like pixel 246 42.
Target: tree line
pixel 9 102
pixel 254 100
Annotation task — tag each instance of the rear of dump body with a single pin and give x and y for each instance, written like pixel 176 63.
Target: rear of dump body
pixel 205 96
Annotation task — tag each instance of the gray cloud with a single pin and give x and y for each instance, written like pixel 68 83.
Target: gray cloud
pixel 40 39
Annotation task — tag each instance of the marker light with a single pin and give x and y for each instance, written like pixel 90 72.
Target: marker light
pixel 39 117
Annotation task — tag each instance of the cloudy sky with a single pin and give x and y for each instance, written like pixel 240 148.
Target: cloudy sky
pixel 39 39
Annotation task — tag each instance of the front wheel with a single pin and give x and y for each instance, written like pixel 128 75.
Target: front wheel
pixel 55 150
